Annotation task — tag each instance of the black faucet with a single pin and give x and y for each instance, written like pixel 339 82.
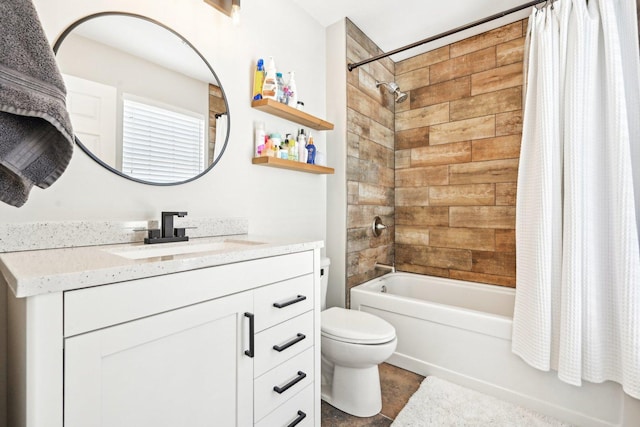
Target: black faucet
pixel 169 234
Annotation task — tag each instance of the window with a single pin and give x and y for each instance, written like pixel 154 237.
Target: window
pixel 161 145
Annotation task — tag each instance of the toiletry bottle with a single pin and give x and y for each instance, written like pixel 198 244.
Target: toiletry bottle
pixel 311 151
pixel 270 86
pixel 259 139
pixel 281 97
pixel 291 145
pixel 292 100
pixel 302 151
pixel 258 79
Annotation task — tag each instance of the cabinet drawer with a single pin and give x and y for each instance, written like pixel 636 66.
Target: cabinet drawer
pixel 101 306
pixel 298 408
pixel 291 337
pixel 282 301
pixel 290 378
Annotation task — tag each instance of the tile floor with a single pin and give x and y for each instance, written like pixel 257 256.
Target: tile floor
pixel 397 387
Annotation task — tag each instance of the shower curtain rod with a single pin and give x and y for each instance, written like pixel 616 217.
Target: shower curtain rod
pixel 352 66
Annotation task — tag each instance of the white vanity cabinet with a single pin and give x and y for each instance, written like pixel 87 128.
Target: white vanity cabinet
pixel 230 345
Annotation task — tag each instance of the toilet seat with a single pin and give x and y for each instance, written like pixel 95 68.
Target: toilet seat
pixel 356 327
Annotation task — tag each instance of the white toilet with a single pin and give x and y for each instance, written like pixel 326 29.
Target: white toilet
pixel 353 344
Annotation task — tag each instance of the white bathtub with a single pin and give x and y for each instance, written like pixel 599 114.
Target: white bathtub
pixel 461 332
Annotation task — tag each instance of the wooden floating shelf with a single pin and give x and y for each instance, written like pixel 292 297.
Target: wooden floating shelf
pixel 275 162
pixel 284 111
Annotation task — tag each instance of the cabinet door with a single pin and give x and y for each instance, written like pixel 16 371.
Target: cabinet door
pixel 184 367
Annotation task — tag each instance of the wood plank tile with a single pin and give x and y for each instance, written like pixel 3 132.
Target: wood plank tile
pixel 353 145
pixel 442 154
pixel 462 130
pixel 484 172
pixel 441 92
pixel 371 194
pixel 498 263
pixel 487 103
pixel 367 106
pixel 412 196
pixel 506 194
pixel 412 138
pixel 421 216
pixel 505 240
pixel 413 79
pixel 510 52
pixel 381 134
pixel 420 177
pixel 501 147
pixel 497 79
pixel 462 195
pixel 361 216
pixel 422 60
pixel 376 153
pixel 488 38
pixel 479 239
pixel 420 117
pixel 352 192
pixel 509 123
pixel 483 278
pixel 403 159
pixel 421 269
pixel 407 235
pixel 465 65
pixel 459 259
pixel 497 217
pixel 358 239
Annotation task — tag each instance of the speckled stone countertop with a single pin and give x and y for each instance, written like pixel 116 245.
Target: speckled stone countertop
pixel 30 273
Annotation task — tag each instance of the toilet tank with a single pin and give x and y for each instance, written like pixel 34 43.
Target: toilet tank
pixel 324 281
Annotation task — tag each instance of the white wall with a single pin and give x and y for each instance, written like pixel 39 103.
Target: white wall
pixel 276 202
pixel 337 184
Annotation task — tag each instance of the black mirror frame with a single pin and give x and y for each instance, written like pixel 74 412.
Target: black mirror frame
pixel 71 27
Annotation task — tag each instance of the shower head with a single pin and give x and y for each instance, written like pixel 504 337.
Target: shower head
pixel 393 89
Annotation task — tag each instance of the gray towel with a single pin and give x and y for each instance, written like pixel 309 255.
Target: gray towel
pixel 36 139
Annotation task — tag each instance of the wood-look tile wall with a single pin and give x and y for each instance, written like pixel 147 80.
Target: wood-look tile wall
pixel 370 160
pixel 216 106
pixel 456 158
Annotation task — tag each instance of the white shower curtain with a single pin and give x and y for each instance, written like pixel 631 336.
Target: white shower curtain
pixel 577 305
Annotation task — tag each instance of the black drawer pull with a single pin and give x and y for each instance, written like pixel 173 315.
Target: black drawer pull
pixel 293 301
pixel 301 416
pixel 296 380
pixel 285 346
pixel 252 335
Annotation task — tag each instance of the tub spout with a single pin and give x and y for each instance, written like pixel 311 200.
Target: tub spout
pixel 391 268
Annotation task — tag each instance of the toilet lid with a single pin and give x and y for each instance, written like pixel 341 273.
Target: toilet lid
pixel 355 327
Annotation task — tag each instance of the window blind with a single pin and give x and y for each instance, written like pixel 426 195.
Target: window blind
pixel 161 145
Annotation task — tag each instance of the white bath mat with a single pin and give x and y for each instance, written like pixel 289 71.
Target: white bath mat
pixel 441 403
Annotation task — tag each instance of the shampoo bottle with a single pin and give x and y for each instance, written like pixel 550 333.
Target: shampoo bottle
pixel 258 80
pixel 292 92
pixel 270 85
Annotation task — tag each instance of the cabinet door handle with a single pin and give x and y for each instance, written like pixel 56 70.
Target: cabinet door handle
pixel 287 386
pixel 250 352
pixel 301 416
pixel 288 344
pixel 292 301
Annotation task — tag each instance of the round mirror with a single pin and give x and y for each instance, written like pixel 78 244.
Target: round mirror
pixel 143 101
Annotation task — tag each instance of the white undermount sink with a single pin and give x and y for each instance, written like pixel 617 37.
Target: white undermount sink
pixel 169 249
